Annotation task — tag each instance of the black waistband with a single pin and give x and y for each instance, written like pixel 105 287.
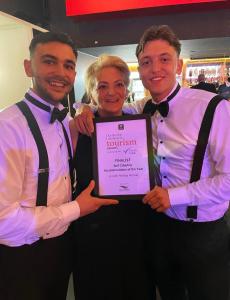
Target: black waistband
pixel 189 222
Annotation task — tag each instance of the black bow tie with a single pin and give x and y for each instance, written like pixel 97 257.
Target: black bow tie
pixel 151 108
pixel 163 107
pixel 56 113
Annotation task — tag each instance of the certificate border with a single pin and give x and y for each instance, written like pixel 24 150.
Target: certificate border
pixel 149 151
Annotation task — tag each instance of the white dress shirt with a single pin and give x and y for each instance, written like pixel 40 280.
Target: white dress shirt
pixel 174 141
pixel 21 221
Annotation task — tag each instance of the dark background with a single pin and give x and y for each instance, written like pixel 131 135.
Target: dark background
pixel 209 20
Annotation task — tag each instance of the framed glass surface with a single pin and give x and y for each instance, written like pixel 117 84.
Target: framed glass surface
pixel 123 164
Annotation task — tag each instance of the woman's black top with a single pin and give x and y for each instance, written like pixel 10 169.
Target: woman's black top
pixel 108 244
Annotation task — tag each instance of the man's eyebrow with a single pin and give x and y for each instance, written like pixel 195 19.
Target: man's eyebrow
pixel 144 57
pixel 49 56
pixel 70 61
pixel 164 53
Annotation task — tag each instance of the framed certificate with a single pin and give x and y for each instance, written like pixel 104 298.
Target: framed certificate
pixel 123 164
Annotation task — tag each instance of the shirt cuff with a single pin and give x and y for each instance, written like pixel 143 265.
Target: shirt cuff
pixel 178 196
pixel 70 211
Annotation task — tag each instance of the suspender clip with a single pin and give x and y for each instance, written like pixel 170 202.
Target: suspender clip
pixel 192 212
pixel 46 170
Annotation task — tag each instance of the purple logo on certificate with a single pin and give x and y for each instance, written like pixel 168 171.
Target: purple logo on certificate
pixel 121 126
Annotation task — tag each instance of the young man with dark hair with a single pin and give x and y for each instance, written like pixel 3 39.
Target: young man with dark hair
pixel 188 236
pixel 35 191
pixel 190 245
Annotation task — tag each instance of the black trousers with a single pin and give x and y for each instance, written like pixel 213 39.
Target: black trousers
pixel 109 255
pixel 190 260
pixel 36 272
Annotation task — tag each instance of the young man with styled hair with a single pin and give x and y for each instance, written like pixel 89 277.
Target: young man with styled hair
pixel 187 234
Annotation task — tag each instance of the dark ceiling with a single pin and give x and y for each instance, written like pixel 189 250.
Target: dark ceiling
pixel 204 29
pixel 192 49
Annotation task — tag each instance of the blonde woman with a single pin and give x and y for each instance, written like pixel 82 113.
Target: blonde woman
pixel 108 245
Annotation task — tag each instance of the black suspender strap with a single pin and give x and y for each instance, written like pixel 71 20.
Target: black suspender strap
pixel 59 115
pixel 43 172
pixel 201 147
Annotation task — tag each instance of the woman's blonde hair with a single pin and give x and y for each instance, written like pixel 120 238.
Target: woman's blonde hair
pixel 104 61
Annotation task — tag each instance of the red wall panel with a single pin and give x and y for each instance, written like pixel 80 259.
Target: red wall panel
pixel 84 7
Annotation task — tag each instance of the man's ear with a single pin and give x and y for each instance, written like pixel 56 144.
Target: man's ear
pixel 179 66
pixel 28 68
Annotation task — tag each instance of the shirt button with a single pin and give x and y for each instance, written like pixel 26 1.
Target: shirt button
pixel 165 176
pixel 162 121
pixel 163 157
pixel 161 142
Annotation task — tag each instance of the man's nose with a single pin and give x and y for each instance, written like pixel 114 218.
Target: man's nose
pixel 60 69
pixel 156 66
